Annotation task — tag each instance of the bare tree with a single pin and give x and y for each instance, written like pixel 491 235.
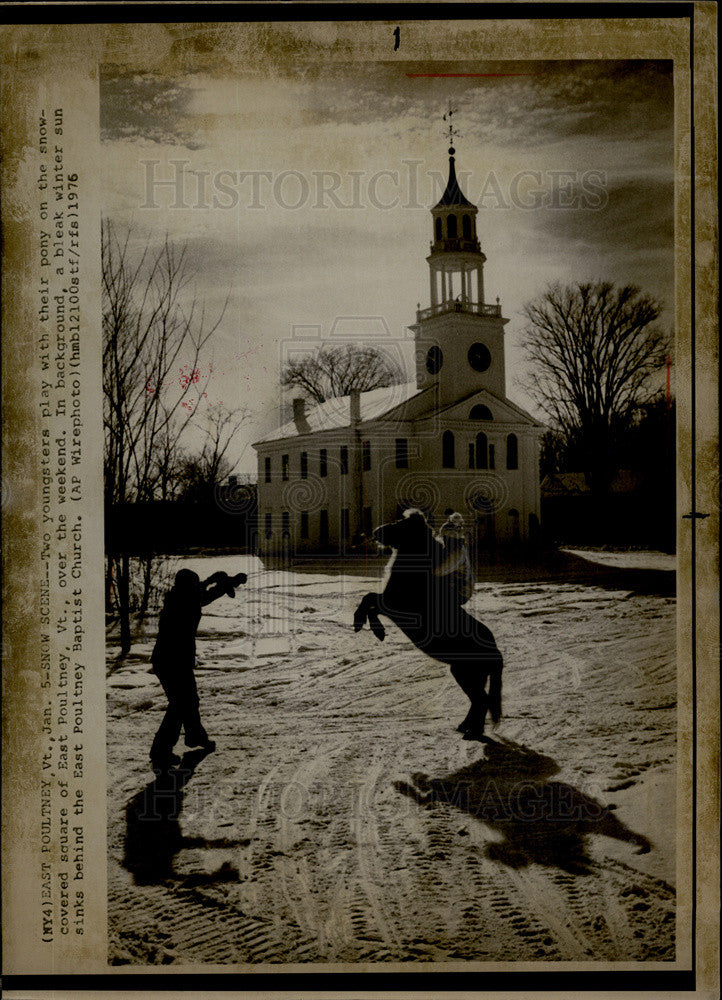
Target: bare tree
pixel 154 334
pixel 168 459
pixel 336 370
pixel 203 472
pixel 593 349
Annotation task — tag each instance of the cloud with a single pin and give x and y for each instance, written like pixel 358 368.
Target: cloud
pixel 149 107
pixel 286 268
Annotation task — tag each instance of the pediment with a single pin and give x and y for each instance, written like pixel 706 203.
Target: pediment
pixel 486 407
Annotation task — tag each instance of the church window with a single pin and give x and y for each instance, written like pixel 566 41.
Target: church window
pixel 323 527
pixel 285 524
pixel 480 412
pixel 491 457
pixel 482 459
pixel 368 520
pixel 304 524
pixel 268 469
pixel 284 467
pixel 345 529
pixel 323 462
pixel 343 460
pixel 402 453
pixel 269 525
pixel 466 227
pixel 304 465
pixel 447 450
pixel 438 230
pixel 512 452
pixel 451 227
pixel 366 456
pixel 471 454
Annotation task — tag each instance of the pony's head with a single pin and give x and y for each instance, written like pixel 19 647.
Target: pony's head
pixel 411 533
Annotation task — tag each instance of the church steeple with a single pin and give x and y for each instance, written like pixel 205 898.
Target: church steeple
pixel 459 337
pixel 456 262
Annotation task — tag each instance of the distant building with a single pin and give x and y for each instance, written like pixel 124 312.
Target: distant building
pixel 566 484
pixel 449 440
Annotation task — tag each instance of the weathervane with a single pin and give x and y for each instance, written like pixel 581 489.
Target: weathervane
pixel 451 132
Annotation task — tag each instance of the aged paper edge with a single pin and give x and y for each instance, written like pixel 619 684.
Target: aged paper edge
pixel 702 573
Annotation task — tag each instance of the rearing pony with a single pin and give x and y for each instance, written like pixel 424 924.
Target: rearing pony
pixel 427 610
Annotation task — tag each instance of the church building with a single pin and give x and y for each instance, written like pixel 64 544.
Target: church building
pixel 449 440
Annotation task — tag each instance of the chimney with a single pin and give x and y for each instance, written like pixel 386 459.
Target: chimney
pixel 355 406
pixel 299 415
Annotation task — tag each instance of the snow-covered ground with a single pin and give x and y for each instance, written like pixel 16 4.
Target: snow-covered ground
pixel 343 819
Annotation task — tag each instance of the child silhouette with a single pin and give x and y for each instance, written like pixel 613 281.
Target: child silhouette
pixel 174 657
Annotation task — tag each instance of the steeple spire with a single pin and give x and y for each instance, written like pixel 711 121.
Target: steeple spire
pixel 453 194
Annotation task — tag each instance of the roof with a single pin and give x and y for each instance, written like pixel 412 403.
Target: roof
pixel 564 483
pixel 574 483
pixel 453 194
pixel 336 412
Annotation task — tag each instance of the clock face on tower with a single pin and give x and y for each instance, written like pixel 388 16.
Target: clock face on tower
pixel 434 360
pixel 479 357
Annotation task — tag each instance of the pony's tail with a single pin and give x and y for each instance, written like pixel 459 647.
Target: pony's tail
pixel 495 694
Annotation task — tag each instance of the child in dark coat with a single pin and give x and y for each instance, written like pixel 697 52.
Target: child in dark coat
pixel 174 657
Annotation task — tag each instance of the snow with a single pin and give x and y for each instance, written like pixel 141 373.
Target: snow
pixel 343 819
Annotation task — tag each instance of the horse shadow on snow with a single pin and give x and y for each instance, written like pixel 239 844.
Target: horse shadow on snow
pixel 541 821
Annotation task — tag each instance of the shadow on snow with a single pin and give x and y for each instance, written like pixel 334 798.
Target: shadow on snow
pixel 541 821
pixel 153 836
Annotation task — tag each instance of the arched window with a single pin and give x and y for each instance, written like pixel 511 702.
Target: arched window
pixel 482 459
pixel 514 524
pixel 480 412
pixel 447 450
pixel 439 234
pixel 512 452
pixel 451 227
pixel 466 227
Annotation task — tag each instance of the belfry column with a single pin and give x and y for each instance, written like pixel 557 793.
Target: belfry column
pixel 480 279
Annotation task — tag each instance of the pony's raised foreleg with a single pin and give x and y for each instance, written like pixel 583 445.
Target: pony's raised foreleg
pixel 368 611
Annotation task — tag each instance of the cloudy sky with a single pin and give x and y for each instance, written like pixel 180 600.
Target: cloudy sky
pixel 571 164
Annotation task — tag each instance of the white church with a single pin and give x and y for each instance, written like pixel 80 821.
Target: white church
pixel 450 440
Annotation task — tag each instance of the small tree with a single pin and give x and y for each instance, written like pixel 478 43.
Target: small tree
pixel 593 349
pixel 337 370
